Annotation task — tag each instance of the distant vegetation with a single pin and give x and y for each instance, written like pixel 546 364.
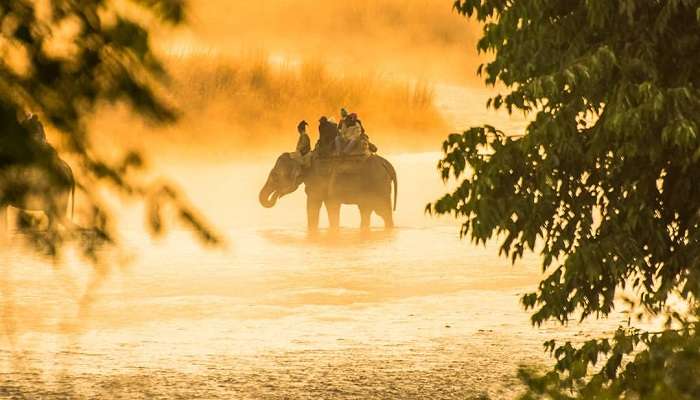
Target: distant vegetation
pixel 253 103
pixel 415 37
pixel 236 92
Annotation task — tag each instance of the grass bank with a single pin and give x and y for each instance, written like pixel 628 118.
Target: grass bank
pixel 251 104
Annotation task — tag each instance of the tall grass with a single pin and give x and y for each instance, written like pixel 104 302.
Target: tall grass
pixel 341 27
pixel 424 38
pixel 252 104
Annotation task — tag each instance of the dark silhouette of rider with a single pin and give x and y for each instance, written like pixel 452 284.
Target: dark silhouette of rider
pixel 327 134
pixel 304 141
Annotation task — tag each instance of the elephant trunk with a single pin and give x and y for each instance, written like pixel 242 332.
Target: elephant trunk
pixel 268 196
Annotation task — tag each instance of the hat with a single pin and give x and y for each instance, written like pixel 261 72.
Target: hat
pixel 302 126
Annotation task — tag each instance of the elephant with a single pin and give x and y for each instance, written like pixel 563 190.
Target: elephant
pixel 46 188
pixel 364 181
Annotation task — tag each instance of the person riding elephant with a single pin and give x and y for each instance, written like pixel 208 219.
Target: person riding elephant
pixel 304 141
pixel 341 140
pixel 343 116
pixel 327 135
pixel 302 155
pixel 354 136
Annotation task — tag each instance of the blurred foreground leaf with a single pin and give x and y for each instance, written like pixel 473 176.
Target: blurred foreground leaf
pixel 61 61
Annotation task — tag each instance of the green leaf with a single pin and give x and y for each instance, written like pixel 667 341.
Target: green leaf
pixel 613 132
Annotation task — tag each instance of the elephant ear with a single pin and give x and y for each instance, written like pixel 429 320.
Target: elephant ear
pixel 283 159
pixel 296 167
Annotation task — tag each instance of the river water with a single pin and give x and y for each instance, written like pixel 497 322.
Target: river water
pixel 276 314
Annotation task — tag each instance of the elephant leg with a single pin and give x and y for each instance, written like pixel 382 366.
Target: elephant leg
pixel 51 216
pixel 313 209
pixel 57 219
pixel 333 215
pixel 385 211
pixel 3 219
pixel 365 217
pixel 388 219
pixel 56 212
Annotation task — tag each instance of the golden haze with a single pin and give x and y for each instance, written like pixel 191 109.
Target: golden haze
pixel 244 73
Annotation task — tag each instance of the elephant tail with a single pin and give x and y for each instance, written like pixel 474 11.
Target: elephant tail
pixel 69 174
pixel 72 199
pixel 392 173
pixel 396 188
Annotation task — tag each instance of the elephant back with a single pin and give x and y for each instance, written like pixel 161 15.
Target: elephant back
pixel 349 164
pixel 322 166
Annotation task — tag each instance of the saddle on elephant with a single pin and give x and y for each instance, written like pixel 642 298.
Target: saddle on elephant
pixel 342 164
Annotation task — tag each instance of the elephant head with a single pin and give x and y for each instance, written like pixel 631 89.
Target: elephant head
pixel 285 178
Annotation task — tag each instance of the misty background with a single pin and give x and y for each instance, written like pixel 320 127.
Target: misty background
pixel 245 73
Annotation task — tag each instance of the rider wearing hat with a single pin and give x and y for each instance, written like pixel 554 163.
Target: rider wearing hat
pixel 327 136
pixel 304 141
pixel 303 149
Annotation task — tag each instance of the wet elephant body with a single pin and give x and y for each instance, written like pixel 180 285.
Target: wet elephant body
pixel 333 181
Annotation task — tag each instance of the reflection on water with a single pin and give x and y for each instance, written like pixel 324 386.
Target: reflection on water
pixel 412 313
pixel 346 238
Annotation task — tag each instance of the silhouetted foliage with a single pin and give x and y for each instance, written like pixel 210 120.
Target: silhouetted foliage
pixel 603 183
pixel 62 60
